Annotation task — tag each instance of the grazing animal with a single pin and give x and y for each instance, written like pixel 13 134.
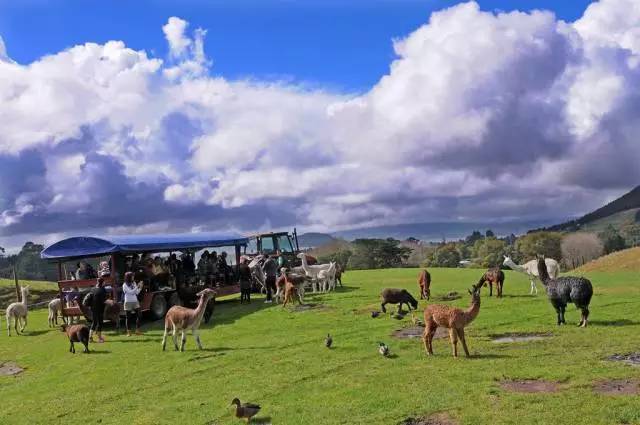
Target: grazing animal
pixel 18 311
pixel 383 349
pixel 424 282
pixel 531 269
pixel 299 280
pixel 455 319
pixel 55 308
pixel 183 319
pixel 111 312
pixel 328 341
pixel 563 290
pixel 77 333
pixel 245 410
pixel 491 276
pixel 397 296
pixel 312 270
pixel 290 291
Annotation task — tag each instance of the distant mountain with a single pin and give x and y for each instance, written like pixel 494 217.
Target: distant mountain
pixel 612 213
pixel 438 231
pixel 312 240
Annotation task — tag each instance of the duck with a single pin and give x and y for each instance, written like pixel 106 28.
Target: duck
pixel 383 349
pixel 375 314
pixel 246 410
pixel 328 341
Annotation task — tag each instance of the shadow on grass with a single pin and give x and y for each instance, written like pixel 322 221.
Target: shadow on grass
pixel 489 356
pixel 36 333
pixel 261 420
pixel 139 340
pixel 92 352
pixel 619 322
pixel 518 296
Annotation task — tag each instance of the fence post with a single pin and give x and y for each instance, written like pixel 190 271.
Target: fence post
pixel 15 279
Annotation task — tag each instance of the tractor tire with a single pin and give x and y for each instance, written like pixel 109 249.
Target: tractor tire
pixel 174 299
pixel 158 307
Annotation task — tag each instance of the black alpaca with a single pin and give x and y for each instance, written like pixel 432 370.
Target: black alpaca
pixel 398 296
pixel 563 290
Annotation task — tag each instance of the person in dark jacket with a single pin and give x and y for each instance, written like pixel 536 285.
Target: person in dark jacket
pixel 244 275
pixel 98 296
pixel 270 268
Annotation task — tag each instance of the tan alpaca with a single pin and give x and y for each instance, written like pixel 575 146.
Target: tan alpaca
pixel 183 319
pixel 455 319
pixel 18 311
pixel 291 291
pixel 55 308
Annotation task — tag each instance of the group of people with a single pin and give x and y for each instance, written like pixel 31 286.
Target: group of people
pixel 96 300
pixel 213 268
pixel 271 267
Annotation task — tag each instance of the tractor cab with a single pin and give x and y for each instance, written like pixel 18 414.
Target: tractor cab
pixel 276 243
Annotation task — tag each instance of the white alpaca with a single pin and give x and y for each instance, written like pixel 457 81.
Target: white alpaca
pixel 327 278
pixel 19 312
pixel 55 308
pixel 530 268
pixel 312 271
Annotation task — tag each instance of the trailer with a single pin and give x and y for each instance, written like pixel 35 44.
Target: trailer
pixel 155 300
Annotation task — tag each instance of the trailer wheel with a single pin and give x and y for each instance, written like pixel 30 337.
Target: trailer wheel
pixel 174 299
pixel 158 306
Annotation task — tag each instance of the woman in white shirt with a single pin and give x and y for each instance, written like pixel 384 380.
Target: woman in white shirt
pixel 131 305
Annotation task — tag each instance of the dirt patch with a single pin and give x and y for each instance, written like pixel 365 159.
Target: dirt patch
pixel 436 419
pixel 632 359
pixel 519 337
pixel 529 386
pixel 309 306
pixel 10 369
pixel 448 297
pixel 617 387
pixel 417 331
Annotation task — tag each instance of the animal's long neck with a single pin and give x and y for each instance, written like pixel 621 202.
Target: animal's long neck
pixel 472 312
pixel 305 266
pixel 542 271
pixel 515 267
pixel 202 304
pixel 25 295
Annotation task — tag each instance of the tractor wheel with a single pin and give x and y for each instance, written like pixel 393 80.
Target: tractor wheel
pixel 158 307
pixel 174 299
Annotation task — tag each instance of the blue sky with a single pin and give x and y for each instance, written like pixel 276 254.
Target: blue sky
pixel 342 44
pixel 121 117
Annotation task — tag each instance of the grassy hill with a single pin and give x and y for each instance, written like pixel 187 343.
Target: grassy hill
pixel 275 357
pixel 39 291
pixel 625 260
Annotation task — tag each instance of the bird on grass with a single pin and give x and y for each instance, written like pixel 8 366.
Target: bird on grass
pixel 375 314
pixel 328 341
pixel 383 349
pixel 245 410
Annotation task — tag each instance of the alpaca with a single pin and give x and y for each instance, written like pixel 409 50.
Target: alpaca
pixel 55 308
pixel 182 318
pixel 312 270
pixel 563 290
pixel 531 269
pixel 326 278
pixel 455 319
pixel 397 296
pixel 491 276
pixel 299 280
pixel 424 282
pixel 290 291
pixel 18 311
pixel 340 270
pixel 77 333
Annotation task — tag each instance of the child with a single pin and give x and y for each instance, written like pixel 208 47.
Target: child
pixel 131 305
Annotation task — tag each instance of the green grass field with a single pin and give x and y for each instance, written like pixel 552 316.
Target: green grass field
pixel 275 357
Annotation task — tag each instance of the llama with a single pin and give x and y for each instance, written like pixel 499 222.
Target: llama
pixel 424 282
pixel 312 270
pixel 491 276
pixel 182 318
pixel 326 278
pixel 77 333
pixel 397 296
pixel 290 291
pixel 18 311
pixel 531 269
pixel 563 290
pixel 55 308
pixel 455 319
pixel 299 280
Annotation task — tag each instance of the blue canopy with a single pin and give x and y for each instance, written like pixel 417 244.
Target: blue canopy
pixel 94 246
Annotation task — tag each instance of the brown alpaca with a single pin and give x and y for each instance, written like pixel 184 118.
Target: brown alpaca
pixel 424 282
pixel 77 333
pixel 180 318
pixel 290 291
pixel 455 319
pixel 491 276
